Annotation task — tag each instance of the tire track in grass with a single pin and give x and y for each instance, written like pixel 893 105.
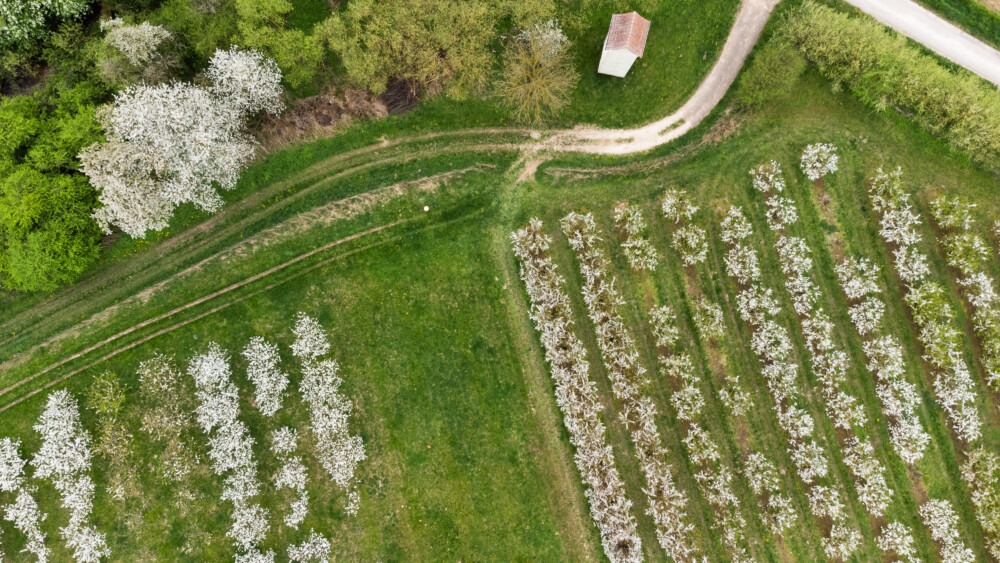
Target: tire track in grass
pixel 161 263
pixel 750 20
pixel 218 293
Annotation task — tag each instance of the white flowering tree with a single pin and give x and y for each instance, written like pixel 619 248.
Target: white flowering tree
pixel 576 395
pixel 64 458
pixel 714 476
pixel 137 43
pixel 969 254
pixel 230 449
pixel 621 360
pixel 942 521
pixel 981 472
pixel 177 143
pixel 691 244
pixel 314 549
pixel 292 474
pixel 927 301
pixel 246 79
pixel 771 343
pixel 339 451
pixel 818 160
pixel 132 54
pixel 180 142
pixel 263 371
pixel 638 250
pixel 735 227
pixel 842 542
pixel 899 398
pixel 708 319
pixel 310 338
pixel 23 513
pixel 24 20
pixel 677 206
pixel 768 178
pixel 762 476
pixel 896 538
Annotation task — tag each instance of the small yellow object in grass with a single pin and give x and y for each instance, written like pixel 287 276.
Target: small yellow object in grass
pixel 427 208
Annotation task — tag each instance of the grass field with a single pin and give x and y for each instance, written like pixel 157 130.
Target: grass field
pixel 467 457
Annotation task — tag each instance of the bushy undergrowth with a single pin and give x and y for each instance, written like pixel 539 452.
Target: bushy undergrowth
pixel 885 72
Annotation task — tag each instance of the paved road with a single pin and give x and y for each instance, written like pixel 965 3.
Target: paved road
pixel 937 34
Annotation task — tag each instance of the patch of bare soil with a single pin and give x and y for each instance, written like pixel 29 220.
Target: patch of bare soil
pixel 318 116
pixel 531 164
pixel 725 127
pixel 991 4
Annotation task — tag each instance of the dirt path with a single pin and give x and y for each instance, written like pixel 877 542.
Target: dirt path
pixel 935 33
pixel 750 21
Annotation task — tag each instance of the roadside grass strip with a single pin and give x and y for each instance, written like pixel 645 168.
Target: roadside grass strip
pixel 576 394
pixel 667 501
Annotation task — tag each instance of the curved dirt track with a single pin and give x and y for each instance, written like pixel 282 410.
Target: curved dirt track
pixel 750 21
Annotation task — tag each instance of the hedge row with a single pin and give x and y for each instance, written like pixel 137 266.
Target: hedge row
pixel 883 70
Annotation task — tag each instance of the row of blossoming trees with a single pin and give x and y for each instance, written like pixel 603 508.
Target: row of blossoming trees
pixel 834 469
pixel 66 453
pixel 942 338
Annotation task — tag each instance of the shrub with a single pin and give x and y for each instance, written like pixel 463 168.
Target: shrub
pixel 49 240
pixel 46 236
pixel 771 74
pixel 263 26
pixel 539 75
pixel 24 20
pixel 132 53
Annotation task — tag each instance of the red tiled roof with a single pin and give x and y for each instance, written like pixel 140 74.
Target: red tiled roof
pixel 628 31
